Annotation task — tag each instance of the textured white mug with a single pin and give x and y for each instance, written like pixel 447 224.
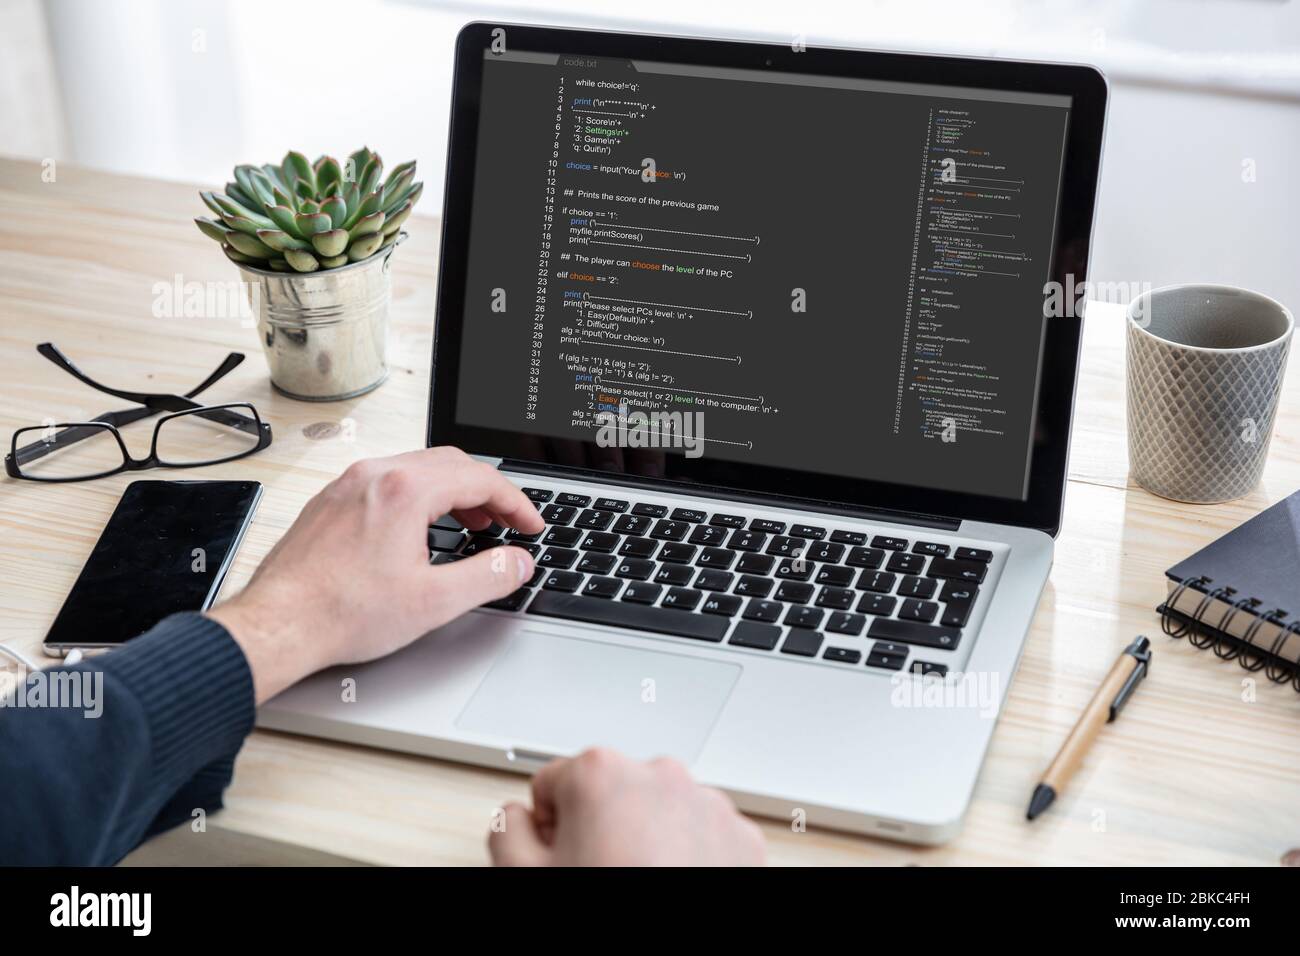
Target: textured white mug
pixel 1205 367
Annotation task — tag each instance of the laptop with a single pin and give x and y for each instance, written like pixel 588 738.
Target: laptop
pixel 764 332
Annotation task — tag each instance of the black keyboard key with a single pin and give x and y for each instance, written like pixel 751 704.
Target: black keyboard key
pixel 533 549
pixel 516 535
pixel 842 655
pixel 441 539
pixel 925 668
pixel 843 622
pixel 762 637
pixel 577 607
pixel 511 602
pixel 974 554
pixel 611 504
pixel 538 496
pixel 606 588
pixel 752 586
pixel 677 553
pixel 891 662
pixel 493 530
pixel 784 547
pixel 642 592
pixel 635 569
pixel 666 530
pixel 803 643
pixel 957 591
pixel 913 632
pixel 837 599
pixel 724 604
pixel 756 564
pixel 810 617
pixel 682 599
pixel 747 540
pixel 716 558
pixel 796 570
pixel 538 574
pixel 638 548
pixel 709 535
pixel 650 511
pixel 714 580
pixel 597 563
pixel 562 537
pixel 914 610
pixel 794 592
pixel 882 582
pixel 865 558
pixel 956 613
pixel 931 548
pixel 766 611
pixel 848 537
pixel 835 576
pixel 688 514
pixel 766 526
pixel 824 551
pixel 906 563
pixel 600 541
pixel 889 543
pixel 968 572
pixel 480 543
pixel 562 581
pixel 576 501
pixel 557 558
pixel 878 604
pixel 558 514
pixel 631 524
pixel 887 647
pixel 448 523
pixel 913 587
pixel 594 520
pixel 807 531
pixel 442 557
pixel 727 521
pixel 676 574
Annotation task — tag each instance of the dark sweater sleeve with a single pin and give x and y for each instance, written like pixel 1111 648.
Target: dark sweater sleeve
pixel 79 788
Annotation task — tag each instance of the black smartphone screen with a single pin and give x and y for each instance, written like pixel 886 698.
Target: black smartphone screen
pixel 165 549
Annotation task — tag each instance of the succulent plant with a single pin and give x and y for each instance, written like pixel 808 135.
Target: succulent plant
pixel 303 216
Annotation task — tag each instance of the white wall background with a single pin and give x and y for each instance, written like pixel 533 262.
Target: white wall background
pixel 183 89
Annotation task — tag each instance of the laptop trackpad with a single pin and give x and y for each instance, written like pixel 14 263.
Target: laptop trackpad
pixel 562 695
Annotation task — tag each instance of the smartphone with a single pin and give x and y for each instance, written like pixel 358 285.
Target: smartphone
pixel 166 548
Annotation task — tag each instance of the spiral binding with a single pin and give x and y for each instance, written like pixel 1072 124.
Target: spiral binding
pixel 1251 656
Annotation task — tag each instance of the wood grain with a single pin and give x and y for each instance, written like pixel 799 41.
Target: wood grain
pixel 1198 770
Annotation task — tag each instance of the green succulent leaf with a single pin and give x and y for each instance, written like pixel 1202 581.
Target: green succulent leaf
pixel 228 207
pixel 216 230
pixel 303 189
pixel 397 185
pixel 333 262
pixel 328 174
pixel 279 265
pixel 274 175
pixel 352 198
pixel 239 196
pixel 369 176
pixel 407 168
pixel 284 217
pixel 279 240
pixel 282 198
pixel 394 222
pixel 336 209
pixel 210 200
pixel 242 224
pixel 366 225
pixel 311 223
pixel 302 170
pixel 250 245
pixel 309 207
pixel 234 255
pixel 410 194
pixel 358 161
pixel 330 243
pixel 368 206
pixel 365 246
pixel 301 261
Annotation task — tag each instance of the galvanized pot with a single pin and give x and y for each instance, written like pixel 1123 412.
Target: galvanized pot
pixel 324 332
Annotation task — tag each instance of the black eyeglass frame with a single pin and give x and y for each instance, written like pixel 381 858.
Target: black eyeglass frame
pixel 152 403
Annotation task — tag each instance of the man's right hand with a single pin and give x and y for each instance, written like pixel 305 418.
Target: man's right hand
pixel 602 809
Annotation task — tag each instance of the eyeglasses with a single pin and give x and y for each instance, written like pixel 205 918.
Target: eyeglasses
pixel 190 436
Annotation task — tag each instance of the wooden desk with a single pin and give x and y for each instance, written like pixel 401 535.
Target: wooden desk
pixel 1193 774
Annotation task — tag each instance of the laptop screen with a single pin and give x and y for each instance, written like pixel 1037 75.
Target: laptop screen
pixel 833 275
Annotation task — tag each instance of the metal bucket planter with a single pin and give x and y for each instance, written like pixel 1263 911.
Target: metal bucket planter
pixel 324 333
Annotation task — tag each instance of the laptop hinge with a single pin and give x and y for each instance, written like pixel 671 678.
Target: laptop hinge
pixel 731 494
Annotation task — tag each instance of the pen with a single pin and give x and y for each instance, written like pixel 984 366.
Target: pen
pixel 1104 707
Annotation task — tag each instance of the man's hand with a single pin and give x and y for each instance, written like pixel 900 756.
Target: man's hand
pixel 351 581
pixel 602 809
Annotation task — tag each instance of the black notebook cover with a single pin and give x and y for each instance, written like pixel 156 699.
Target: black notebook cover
pixel 1260 558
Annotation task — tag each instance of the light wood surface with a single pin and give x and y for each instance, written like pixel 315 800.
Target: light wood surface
pixel 1198 770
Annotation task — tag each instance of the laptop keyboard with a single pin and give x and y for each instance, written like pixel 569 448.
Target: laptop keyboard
pixel 759 584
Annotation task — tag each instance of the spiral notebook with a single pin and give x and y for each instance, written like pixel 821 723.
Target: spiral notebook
pixel 1240 596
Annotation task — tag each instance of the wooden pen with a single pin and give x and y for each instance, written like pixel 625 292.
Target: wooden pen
pixel 1104 707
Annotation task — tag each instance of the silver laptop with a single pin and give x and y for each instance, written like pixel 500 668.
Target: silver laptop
pixel 782 342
